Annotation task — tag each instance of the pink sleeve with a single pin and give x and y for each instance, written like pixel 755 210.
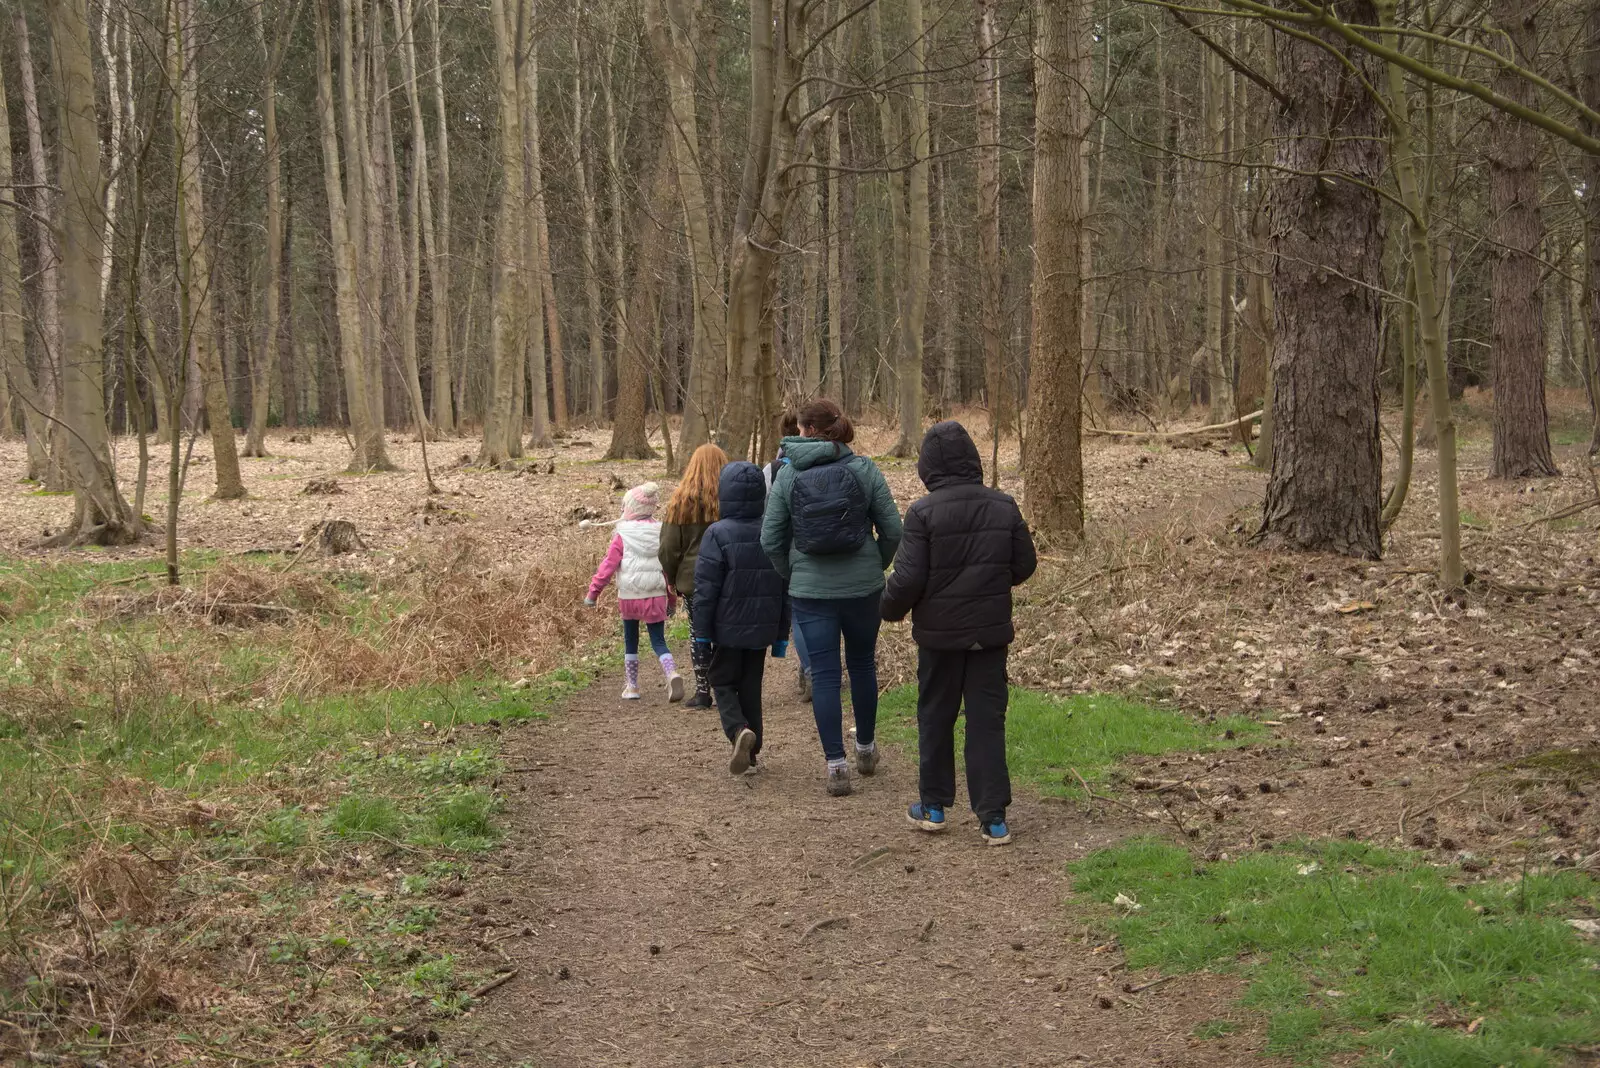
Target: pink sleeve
pixel 608 567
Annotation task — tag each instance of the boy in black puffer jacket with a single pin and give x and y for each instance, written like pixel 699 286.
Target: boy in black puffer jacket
pixel 965 547
pixel 740 608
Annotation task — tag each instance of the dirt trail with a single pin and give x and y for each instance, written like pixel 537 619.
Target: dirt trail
pixel 662 912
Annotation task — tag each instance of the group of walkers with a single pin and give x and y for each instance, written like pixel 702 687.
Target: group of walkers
pixel 801 546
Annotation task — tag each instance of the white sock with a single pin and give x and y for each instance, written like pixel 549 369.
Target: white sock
pixel 840 763
pixel 870 747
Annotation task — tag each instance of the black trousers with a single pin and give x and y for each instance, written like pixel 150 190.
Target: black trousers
pixel 946 680
pixel 736 679
pixel 699 651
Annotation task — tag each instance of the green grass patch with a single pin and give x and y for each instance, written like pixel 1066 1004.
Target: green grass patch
pixel 1349 948
pixel 1047 737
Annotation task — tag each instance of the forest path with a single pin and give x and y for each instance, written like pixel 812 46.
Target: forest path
pixel 666 913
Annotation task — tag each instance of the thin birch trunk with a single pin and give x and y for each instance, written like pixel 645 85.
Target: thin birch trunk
pixel 536 354
pixel 591 265
pixel 48 291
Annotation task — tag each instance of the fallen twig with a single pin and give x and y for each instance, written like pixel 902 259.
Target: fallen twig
pixel 494 984
pixel 823 925
pixel 1570 510
pixel 1129 988
pixel 1232 424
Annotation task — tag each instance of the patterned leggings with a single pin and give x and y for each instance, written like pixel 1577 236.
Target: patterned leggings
pixel 699 652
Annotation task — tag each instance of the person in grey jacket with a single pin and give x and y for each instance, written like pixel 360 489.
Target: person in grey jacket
pixel 831 529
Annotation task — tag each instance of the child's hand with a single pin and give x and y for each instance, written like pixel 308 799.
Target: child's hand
pixel 588 602
pixel 780 649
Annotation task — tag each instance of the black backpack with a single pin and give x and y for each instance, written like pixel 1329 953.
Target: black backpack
pixel 829 510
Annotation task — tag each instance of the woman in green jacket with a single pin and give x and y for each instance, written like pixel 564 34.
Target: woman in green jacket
pixel 831 529
pixel 691 510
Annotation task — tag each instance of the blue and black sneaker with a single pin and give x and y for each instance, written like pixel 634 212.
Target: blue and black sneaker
pixel 928 818
pixel 995 831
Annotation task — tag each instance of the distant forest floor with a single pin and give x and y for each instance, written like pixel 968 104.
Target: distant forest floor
pixel 283 816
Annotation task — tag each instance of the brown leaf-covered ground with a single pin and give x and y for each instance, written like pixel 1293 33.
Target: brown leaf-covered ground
pixel 1464 725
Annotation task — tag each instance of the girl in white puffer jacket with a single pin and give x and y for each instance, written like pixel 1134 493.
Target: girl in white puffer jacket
pixel 642 594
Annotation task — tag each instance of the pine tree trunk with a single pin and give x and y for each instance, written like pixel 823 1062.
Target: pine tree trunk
pixel 1053 460
pixel 194 257
pixel 1325 489
pixel 629 436
pixel 1521 422
pixel 100 513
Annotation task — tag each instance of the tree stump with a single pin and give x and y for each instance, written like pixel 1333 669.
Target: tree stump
pixel 333 537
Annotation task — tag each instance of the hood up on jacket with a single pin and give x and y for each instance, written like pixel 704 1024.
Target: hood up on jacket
pixel 809 452
pixel 948 456
pixel 741 491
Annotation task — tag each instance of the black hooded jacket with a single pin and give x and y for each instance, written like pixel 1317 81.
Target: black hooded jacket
pixel 965 547
pixel 739 598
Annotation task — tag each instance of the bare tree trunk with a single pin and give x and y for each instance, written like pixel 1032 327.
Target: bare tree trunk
pixel 593 305
pixel 48 292
pixel 404 239
pixel 629 435
pixel 672 28
pixel 991 278
pixel 13 338
pixel 540 225
pixel 833 374
pixel 915 276
pixel 1217 303
pixel 501 422
pixel 267 356
pixel 810 304
pixel 113 148
pixel 1521 422
pixel 1053 460
pixel 535 353
pixel 100 513
pixel 1325 489
pixel 618 243
pixel 194 258
pixel 444 420
pixel 347 288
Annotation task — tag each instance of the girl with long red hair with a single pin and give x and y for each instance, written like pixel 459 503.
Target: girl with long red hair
pixel 692 508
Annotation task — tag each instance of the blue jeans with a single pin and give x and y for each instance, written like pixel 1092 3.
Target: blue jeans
pixel 822 623
pixel 630 637
pixel 799 642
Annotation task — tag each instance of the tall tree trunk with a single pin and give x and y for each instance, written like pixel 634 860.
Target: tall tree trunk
pixel 48 291
pixel 500 422
pixel 618 243
pixel 545 279
pixel 916 275
pixel 1053 460
pixel 113 147
pixel 592 302
pixel 404 238
pixel 1521 422
pixel 991 278
pixel 810 304
pixel 364 433
pixel 13 338
pixel 629 436
pixel 536 354
pixel 672 29
pixel 444 419
pixel 833 373
pixel 1325 488
pixel 286 351
pixel 100 513
pixel 266 360
pixel 1425 285
pixel 1218 305
pixel 194 256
